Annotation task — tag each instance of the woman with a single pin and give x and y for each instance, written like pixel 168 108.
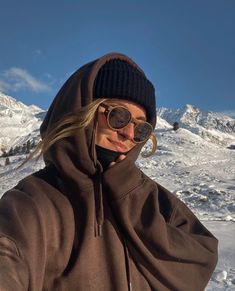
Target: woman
pixel 91 220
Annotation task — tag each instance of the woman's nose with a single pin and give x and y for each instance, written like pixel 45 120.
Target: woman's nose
pixel 128 131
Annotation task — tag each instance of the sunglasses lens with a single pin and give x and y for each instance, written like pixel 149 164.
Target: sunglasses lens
pixel 119 117
pixel 142 132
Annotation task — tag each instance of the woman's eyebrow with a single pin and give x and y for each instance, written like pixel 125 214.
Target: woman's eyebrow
pixel 116 104
pixel 141 118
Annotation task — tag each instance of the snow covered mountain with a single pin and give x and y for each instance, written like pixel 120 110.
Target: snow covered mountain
pixel 211 126
pixel 18 123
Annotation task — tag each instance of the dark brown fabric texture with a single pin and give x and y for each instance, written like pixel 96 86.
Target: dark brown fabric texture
pixel 72 227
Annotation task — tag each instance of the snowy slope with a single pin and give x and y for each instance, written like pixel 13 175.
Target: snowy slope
pixel 199 170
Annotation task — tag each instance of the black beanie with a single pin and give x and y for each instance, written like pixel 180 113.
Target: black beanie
pixel 119 79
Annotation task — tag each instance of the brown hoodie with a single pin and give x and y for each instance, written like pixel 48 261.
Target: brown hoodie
pixel 72 227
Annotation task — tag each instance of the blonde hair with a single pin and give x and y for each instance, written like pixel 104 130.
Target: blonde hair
pixel 69 125
pixel 154 146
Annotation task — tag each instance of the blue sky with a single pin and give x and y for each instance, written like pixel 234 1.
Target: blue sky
pixel 186 47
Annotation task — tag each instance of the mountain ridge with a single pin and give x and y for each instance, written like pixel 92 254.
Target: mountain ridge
pixel 211 126
pixel 20 122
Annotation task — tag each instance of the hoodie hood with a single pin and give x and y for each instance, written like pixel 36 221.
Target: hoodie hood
pixel 77 153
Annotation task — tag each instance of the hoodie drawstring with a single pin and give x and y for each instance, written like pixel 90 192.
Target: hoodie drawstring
pixel 128 269
pixel 99 226
pixel 99 207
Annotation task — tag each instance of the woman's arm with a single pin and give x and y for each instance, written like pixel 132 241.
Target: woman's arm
pixel 13 270
pixel 169 245
pixel 22 242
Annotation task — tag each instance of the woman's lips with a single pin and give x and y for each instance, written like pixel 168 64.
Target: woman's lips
pixel 118 146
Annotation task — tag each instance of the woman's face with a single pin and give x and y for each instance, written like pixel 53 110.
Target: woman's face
pixel 118 140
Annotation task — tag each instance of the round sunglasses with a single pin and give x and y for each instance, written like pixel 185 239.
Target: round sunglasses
pixel 119 117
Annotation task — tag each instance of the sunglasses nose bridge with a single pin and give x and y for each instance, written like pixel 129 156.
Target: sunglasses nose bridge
pixel 129 130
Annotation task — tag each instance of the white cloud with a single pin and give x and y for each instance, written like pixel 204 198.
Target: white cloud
pixel 4 86
pixel 38 52
pixel 230 113
pixel 17 79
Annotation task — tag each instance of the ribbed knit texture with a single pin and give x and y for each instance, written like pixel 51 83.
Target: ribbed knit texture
pixel 118 79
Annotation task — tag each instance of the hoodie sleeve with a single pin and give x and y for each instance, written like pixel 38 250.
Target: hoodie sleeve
pixel 168 244
pixel 22 243
pixel 13 270
pixel 36 234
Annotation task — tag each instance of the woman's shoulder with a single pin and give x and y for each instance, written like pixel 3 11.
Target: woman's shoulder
pixel 161 190
pixel 41 188
pixel 44 179
pixel 167 200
